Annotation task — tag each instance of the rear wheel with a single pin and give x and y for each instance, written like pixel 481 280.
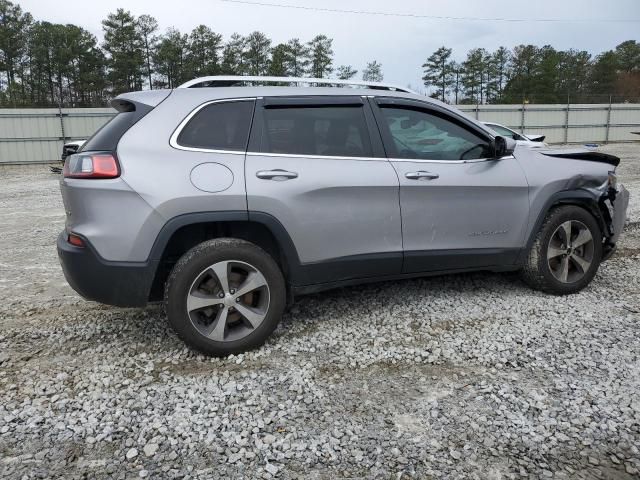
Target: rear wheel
pixel 225 296
pixel 566 253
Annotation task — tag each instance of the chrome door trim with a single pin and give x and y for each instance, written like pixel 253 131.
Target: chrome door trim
pixel 173 141
pixel 475 160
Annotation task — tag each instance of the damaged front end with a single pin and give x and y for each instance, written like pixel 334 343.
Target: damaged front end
pixel 612 200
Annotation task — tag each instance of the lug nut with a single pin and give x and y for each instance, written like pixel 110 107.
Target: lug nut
pixel 232 291
pixel 221 295
pixel 238 300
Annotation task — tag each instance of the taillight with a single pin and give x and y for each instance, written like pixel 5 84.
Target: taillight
pixel 91 165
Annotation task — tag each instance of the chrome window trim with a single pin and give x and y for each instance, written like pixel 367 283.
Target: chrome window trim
pixel 173 140
pixel 472 160
pixel 328 157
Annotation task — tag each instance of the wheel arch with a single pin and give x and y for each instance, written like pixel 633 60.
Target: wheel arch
pixel 579 198
pixel 183 232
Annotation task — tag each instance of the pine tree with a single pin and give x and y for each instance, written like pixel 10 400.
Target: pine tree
pixel 257 53
pixel 346 72
pixel 169 58
pixel 14 30
pixel 233 55
pixel 498 73
pixel 373 72
pixel 124 51
pixel 320 56
pixel 204 46
pixel 474 76
pixel 277 67
pixel 628 54
pixel 296 61
pixel 146 27
pixel 437 72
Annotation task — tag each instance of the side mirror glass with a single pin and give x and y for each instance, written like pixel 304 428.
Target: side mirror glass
pixel 503 146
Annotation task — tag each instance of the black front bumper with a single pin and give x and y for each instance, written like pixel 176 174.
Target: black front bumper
pixel 123 284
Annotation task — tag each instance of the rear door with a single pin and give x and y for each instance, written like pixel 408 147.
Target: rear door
pixel 316 165
pixel 461 208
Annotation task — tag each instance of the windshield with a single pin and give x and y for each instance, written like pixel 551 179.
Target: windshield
pixel 503 131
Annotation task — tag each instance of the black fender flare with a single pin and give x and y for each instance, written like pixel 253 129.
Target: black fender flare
pixel 276 228
pixel 580 197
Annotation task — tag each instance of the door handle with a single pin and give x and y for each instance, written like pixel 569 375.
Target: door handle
pixel 277 175
pixel 421 175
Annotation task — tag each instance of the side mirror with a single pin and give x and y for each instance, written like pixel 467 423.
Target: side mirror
pixel 503 146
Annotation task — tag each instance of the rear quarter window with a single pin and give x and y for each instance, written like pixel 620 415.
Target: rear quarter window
pixel 219 126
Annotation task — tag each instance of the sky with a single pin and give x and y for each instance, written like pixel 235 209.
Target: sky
pixel 400 43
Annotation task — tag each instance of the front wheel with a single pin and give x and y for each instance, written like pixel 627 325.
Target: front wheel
pixel 566 253
pixel 225 296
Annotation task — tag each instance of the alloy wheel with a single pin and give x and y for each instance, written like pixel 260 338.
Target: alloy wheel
pixel 570 251
pixel 228 300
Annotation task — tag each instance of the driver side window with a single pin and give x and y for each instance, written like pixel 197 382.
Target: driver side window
pixel 418 134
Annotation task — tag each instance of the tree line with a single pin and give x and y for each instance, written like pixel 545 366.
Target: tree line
pixel 49 64
pixel 535 74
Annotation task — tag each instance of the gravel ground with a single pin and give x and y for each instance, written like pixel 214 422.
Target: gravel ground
pixel 465 376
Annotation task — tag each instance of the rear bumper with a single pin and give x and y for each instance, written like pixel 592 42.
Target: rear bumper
pixel 123 284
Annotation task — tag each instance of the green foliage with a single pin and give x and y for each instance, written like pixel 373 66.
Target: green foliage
pixel 124 48
pixel 44 64
pixel 346 72
pixel 628 56
pixel 14 27
pixel 438 72
pixel 204 47
pixel 321 56
pixel 146 27
pixel 296 61
pixel 233 56
pixel 169 59
pixel 373 72
pixel 277 66
pixel 257 53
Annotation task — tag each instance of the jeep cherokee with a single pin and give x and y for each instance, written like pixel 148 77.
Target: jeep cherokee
pixel 227 197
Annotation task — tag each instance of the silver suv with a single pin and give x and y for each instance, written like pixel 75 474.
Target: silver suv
pixel 228 200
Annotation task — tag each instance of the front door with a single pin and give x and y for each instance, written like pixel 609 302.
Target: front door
pixel 461 208
pixel 315 170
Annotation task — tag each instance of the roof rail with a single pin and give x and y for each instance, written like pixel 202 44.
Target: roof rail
pixel 234 80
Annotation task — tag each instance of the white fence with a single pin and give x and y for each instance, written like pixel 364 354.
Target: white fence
pixel 575 123
pixel 37 134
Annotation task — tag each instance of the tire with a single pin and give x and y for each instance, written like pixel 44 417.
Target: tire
pixel 544 267
pixel 196 300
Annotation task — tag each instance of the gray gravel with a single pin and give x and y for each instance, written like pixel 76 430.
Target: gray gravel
pixel 466 376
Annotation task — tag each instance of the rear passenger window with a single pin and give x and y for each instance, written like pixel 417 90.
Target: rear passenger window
pixel 337 131
pixel 219 126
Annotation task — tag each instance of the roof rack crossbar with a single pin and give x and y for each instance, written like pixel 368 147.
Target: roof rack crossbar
pixel 234 80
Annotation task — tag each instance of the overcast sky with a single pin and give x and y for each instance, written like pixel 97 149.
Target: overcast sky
pixel 401 44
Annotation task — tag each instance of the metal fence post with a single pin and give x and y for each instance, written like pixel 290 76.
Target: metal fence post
pixel 522 123
pixel 606 135
pixel 566 121
pixel 64 138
